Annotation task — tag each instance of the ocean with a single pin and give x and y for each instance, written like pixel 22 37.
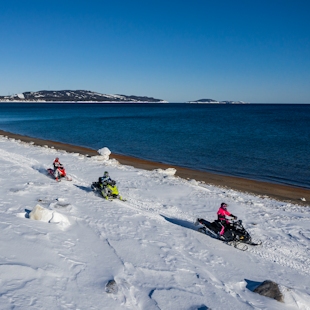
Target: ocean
pixel 267 142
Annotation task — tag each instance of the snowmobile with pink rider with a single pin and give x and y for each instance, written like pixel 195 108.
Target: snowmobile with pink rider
pixel 229 230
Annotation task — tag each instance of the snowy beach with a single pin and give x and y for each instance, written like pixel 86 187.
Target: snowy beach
pixel 147 247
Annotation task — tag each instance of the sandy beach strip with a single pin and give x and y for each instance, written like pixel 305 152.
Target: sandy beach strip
pixel 277 191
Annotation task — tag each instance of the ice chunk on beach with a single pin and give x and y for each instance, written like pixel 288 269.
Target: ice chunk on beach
pixel 41 214
pixel 105 153
pixel 168 171
pixel 48 216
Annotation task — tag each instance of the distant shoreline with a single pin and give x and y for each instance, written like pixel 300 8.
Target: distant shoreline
pixel 279 192
pixel 84 102
pixel 76 96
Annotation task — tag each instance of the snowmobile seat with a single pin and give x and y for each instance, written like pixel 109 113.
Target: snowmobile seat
pixel 216 226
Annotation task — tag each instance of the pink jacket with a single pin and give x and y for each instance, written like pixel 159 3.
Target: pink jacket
pixel 221 213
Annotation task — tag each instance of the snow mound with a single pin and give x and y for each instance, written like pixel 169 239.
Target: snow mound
pixel 168 171
pixel 105 153
pixel 48 216
pixel 295 298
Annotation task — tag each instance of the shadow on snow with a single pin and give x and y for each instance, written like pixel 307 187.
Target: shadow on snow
pixel 182 223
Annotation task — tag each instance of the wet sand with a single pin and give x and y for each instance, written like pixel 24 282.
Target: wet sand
pixel 276 191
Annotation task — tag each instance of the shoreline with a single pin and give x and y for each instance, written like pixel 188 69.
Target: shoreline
pixel 279 192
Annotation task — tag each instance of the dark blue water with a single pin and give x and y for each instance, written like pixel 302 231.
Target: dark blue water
pixel 262 142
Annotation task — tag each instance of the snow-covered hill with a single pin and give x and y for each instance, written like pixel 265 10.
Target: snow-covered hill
pixel 147 248
pixel 77 96
pixel 212 101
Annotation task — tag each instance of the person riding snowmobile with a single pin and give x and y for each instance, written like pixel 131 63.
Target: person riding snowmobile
pixel 107 186
pixel 225 229
pixel 221 217
pixel 56 163
pixel 57 166
pixel 105 179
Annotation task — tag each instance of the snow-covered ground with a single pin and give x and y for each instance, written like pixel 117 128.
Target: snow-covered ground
pixel 148 247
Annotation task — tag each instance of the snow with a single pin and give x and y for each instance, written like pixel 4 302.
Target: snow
pixel 143 253
pixel 105 153
pixel 49 216
pixel 168 171
pixel 21 96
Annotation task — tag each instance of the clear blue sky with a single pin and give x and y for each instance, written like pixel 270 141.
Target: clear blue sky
pixel 255 51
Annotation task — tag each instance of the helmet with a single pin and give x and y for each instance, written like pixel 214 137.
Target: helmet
pixel 56 159
pixel 106 174
pixel 224 205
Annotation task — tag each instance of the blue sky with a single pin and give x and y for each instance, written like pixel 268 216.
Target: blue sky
pixel 254 51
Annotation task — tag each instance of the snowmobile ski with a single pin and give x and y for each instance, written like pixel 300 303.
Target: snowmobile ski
pixel 238 245
pixel 255 243
pixel 116 199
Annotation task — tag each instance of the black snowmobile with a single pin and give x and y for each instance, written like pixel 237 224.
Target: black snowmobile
pixel 234 234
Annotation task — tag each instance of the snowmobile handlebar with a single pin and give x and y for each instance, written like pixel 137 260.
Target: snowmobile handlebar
pixel 235 221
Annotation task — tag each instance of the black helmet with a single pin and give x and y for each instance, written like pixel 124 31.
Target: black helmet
pixel 224 205
pixel 106 174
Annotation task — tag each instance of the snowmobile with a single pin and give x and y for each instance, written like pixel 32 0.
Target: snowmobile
pixel 62 173
pixel 235 234
pixel 107 189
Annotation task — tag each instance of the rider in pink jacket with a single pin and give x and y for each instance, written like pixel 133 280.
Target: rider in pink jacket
pixel 221 216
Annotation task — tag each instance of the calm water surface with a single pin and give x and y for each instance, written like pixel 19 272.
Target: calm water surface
pixel 257 141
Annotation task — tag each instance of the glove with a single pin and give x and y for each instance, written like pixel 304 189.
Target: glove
pixel 234 217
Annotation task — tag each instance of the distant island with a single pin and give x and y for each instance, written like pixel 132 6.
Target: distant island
pixel 87 96
pixel 83 96
pixel 212 101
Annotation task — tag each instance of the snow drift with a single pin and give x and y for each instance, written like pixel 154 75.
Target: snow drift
pixel 48 216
